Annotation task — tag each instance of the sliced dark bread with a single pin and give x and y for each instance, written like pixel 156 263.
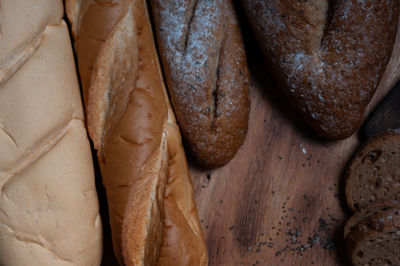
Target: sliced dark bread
pixel 369 211
pixel 374 172
pixel 375 240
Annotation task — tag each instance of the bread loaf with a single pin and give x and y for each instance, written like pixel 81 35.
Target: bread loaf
pixel 205 67
pixel 375 239
pixel 49 211
pixel 327 56
pixel 373 174
pixel 152 212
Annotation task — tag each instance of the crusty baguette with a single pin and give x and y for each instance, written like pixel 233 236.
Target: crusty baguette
pixel 205 67
pixel 49 211
pixel 373 174
pixel 152 211
pixel 328 56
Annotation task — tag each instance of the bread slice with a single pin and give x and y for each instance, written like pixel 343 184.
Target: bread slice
pixel 369 211
pixel 373 174
pixel 375 240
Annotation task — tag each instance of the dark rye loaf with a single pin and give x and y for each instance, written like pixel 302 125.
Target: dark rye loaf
pixel 328 56
pixel 374 172
pixel 375 240
pixel 205 68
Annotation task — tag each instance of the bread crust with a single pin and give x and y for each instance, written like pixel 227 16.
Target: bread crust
pixel 382 227
pixel 205 67
pixel 133 128
pixel 48 201
pixel 327 56
pixel 368 211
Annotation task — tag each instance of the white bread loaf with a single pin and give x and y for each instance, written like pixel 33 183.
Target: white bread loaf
pixel 49 213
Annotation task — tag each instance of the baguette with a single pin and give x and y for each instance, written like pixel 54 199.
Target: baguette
pixel 327 56
pixel 152 211
pixel 205 67
pixel 49 213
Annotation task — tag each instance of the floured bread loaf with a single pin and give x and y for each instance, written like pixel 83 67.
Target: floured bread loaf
pixel 150 196
pixel 49 212
pixel 327 56
pixel 205 68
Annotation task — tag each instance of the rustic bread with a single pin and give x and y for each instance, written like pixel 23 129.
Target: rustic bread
pixel 205 67
pixel 375 239
pixel 49 213
pixel 373 174
pixel 368 211
pixel 327 56
pixel 152 212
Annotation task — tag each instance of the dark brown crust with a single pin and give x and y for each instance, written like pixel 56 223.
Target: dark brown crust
pixel 328 68
pixel 355 179
pixel 385 224
pixel 370 210
pixel 205 68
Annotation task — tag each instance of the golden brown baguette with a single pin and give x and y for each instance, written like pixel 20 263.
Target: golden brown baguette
pixel 205 67
pixel 152 211
pixel 328 56
pixel 49 213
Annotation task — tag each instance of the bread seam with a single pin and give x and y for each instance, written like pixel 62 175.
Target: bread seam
pixel 8 135
pixel 31 240
pixel 189 26
pixel 35 153
pixel 18 58
pixel 22 54
pixel 215 89
pixel 96 109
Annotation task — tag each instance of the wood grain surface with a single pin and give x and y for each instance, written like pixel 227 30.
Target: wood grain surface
pixel 280 200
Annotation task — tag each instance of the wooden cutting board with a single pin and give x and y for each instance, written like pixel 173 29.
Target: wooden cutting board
pixel 280 200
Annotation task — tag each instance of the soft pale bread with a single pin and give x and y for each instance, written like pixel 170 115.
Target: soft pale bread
pixel 152 212
pixel 48 203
